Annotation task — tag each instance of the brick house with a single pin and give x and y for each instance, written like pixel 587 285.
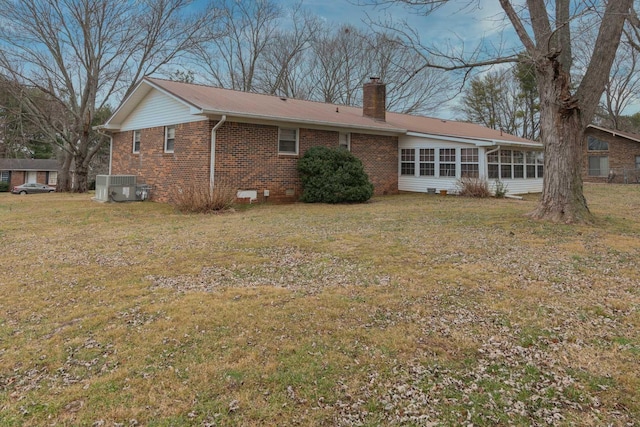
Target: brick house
pixel 21 171
pixel 611 156
pixel 172 135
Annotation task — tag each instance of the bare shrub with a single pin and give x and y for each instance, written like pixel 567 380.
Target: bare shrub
pixel 203 199
pixel 473 187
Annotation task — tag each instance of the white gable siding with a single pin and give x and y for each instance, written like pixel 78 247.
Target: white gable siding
pixel 421 184
pixel 158 109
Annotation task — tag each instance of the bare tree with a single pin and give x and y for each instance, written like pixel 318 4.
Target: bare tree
pixel 282 70
pixel 338 59
pixel 82 54
pixel 623 87
pixel 544 30
pixel 410 88
pixel 239 42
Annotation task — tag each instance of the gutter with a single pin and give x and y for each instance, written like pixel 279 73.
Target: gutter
pixel 324 124
pixel 476 142
pixel 212 160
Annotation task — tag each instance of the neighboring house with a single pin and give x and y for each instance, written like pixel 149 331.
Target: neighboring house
pixel 611 156
pixel 174 135
pixel 21 171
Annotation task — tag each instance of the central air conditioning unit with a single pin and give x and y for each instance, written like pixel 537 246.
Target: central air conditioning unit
pixel 116 188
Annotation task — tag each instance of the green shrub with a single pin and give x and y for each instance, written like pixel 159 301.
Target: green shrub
pixel 4 187
pixel 333 175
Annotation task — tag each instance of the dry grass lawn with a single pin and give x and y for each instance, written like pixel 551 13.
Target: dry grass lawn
pixel 409 310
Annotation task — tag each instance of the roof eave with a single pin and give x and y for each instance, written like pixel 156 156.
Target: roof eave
pixel 614 133
pixel 262 117
pixel 478 142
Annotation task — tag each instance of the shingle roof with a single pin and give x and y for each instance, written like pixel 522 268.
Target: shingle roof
pixel 216 101
pixel 29 164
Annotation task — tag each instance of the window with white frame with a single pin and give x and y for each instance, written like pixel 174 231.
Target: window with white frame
pixel 505 164
pixel 518 164
pixel 515 164
pixel 598 165
pixel 344 140
pixel 638 162
pixel 427 162
pixel 169 138
pixel 493 161
pixel 136 141
pixel 447 162
pixel 52 178
pixel 407 161
pixel 469 167
pixel 4 176
pixel 287 141
pixel 530 159
pixel 540 164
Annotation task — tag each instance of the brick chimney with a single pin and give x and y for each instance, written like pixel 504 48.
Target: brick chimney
pixel 374 99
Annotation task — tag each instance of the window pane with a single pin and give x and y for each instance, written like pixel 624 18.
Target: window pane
pixel 531 171
pixel 518 157
pixel 637 162
pixel 540 171
pixel 343 140
pixel 427 155
pixel 288 134
pixel 427 169
pixel 4 176
pixel 492 157
pixel 408 155
pixel 531 157
pixel 447 169
pixel 493 172
pixel 505 156
pixel 518 171
pixel 448 155
pixel 598 165
pixel 595 144
pixel 408 168
pixel 469 170
pixel 469 155
pixel 505 171
pixel 287 146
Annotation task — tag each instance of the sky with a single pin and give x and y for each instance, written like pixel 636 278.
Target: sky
pixel 459 23
pixel 462 24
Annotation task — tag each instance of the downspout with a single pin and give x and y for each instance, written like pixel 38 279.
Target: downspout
pixel 213 151
pixel 110 152
pixel 486 161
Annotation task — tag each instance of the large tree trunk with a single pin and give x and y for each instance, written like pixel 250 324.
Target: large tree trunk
pixel 562 133
pixel 64 174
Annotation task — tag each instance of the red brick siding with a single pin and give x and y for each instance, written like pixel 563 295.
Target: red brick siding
pixel 622 154
pixel 246 158
pixel 379 155
pixel 165 172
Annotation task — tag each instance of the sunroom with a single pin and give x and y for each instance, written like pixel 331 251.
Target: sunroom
pixel 431 163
